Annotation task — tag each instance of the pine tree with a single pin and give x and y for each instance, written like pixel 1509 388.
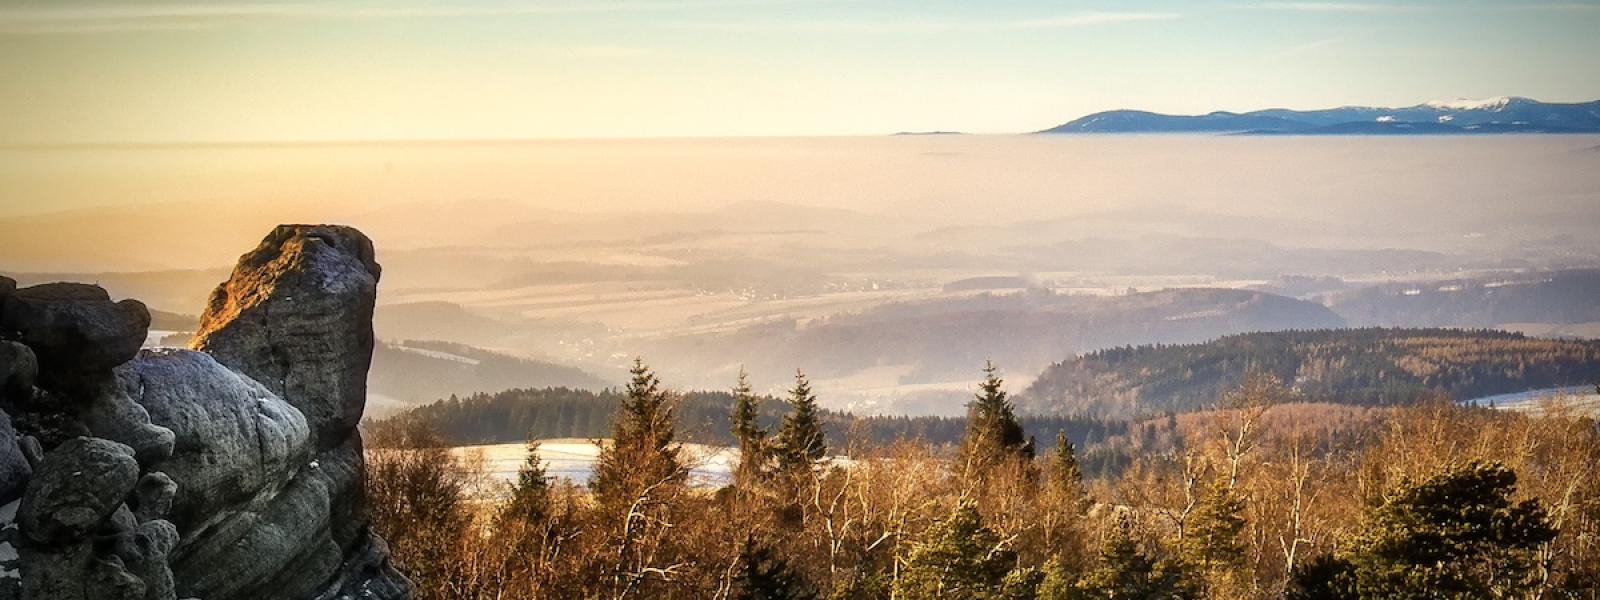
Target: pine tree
pixel 1066 475
pixel 642 453
pixel 748 433
pixel 993 433
pixel 800 440
pixel 1455 535
pixel 766 575
pixel 958 558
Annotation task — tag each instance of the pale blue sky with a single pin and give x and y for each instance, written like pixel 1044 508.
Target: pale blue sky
pixel 73 72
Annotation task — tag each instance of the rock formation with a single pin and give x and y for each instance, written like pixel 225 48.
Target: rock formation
pixel 231 471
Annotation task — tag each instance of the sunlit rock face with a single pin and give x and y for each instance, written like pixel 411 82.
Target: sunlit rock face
pixel 232 471
pixel 296 315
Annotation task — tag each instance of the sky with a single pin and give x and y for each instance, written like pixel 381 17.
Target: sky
pixel 235 71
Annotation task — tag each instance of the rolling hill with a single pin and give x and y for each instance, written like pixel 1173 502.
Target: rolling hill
pixel 415 372
pixel 1373 367
pixel 948 339
pixel 1552 297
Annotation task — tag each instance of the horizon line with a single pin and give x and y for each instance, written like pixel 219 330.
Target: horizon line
pixel 426 141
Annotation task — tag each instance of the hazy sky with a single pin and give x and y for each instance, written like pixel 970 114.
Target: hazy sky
pixel 73 71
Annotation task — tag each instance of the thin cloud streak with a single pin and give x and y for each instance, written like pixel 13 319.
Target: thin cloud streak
pixel 1562 7
pixel 105 18
pixel 865 27
pixel 1339 7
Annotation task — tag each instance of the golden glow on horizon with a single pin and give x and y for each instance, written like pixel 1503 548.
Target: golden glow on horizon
pixel 85 72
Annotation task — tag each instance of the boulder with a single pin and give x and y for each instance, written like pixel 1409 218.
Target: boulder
pixel 233 440
pixel 152 498
pixel 296 315
pixel 15 470
pixel 75 330
pixel 7 286
pixel 78 485
pixel 142 550
pixel 18 371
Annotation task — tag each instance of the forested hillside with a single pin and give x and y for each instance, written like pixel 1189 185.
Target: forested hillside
pixel 413 372
pixel 1543 297
pixel 1375 367
pixel 520 414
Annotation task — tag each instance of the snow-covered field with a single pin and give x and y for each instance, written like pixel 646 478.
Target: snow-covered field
pixel 574 459
pixel 153 337
pixel 1581 400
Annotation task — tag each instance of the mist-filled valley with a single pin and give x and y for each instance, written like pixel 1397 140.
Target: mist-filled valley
pixel 799 300
pixel 888 268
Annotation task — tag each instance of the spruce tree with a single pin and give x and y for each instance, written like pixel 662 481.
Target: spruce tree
pixel 993 433
pixel 748 433
pixel 1066 475
pixel 1123 571
pixel 800 440
pixel 958 559
pixel 642 453
pixel 1212 537
pixel 1056 583
pixel 530 497
pixel 1455 535
pixel 766 575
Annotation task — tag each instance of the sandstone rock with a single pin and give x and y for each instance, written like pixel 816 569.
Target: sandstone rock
pixel 7 286
pixel 367 575
pixel 233 439
pixel 310 538
pixel 10 559
pixel 296 315
pixel 32 451
pixel 75 329
pixel 78 485
pixel 110 579
pixel 113 416
pixel 143 551
pixel 230 474
pixel 18 370
pixel 153 497
pixel 15 470
pixel 57 573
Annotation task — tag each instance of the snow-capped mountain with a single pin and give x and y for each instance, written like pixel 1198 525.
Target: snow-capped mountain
pixel 1504 114
pixel 1495 103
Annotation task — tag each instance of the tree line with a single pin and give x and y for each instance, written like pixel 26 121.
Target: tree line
pixel 516 415
pixel 1429 501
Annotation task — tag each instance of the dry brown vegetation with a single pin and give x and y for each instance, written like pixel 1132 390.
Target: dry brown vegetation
pixel 1228 504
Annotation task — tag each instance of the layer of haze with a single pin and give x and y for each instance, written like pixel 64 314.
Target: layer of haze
pixel 866 261
pixel 1340 192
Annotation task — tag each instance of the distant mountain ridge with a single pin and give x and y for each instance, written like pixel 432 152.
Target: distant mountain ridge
pixel 1505 114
